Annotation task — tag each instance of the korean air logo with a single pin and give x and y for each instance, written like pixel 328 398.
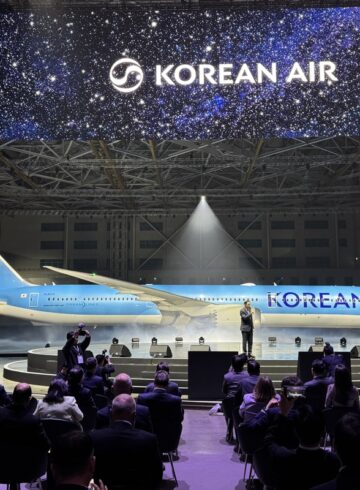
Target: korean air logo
pixel 126 75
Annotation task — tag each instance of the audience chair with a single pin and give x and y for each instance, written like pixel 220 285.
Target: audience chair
pixel 89 421
pixel 101 401
pixel 56 427
pixel 21 464
pixel 315 396
pixel 168 438
pixel 262 469
pixel 246 445
pixel 331 417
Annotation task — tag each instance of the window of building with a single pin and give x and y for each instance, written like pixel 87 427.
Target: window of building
pixel 90 226
pixel 250 242
pixel 85 264
pixel 342 242
pixel 248 262
pixel 316 242
pixel 287 262
pixel 85 244
pixel 248 225
pixel 150 243
pixel 317 262
pixel 52 226
pixel 152 264
pixel 283 242
pixel 282 225
pixel 316 224
pixel 52 244
pixel 144 226
pixel 52 262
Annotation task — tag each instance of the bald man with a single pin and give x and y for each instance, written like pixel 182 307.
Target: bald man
pixel 125 455
pixel 22 433
pixel 123 385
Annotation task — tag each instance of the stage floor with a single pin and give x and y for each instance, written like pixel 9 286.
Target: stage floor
pixel 228 340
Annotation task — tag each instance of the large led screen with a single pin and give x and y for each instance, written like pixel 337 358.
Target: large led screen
pixel 111 73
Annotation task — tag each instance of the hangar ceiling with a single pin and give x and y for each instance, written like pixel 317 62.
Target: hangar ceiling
pixel 63 177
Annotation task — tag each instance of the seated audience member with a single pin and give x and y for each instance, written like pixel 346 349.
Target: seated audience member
pixel 308 464
pixel 91 380
pixel 172 387
pixel 104 369
pixel 315 389
pixel 347 447
pixel 126 456
pixel 331 360
pixel 165 409
pixel 63 373
pixel 56 404
pixel 83 397
pixel 73 462
pixel 231 386
pixel 248 383
pixel 4 397
pixel 22 434
pixel 253 402
pixel 281 415
pixel 123 385
pixel 342 393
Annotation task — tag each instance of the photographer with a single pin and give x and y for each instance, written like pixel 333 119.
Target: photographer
pixel 73 349
pixel 104 368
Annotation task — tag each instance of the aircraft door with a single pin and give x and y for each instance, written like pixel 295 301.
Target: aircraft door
pixel 33 300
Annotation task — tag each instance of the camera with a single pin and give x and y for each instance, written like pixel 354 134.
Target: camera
pixel 294 392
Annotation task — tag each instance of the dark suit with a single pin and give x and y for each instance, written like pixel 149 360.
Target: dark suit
pixel 166 415
pixel 94 383
pixel 22 440
pixel 172 388
pixel 347 479
pixel 85 401
pixel 72 351
pixel 331 362
pixel 247 329
pixel 127 456
pixel 315 392
pixel 232 384
pixel 300 469
pixel 142 419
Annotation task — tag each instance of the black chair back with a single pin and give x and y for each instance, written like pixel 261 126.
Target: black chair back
pixel 332 416
pixel 315 396
pixel 20 464
pixel 56 427
pixel 262 467
pixel 101 401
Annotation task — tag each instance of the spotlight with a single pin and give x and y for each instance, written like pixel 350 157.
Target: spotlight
pixel 298 341
pixel 115 341
pixel 48 344
pixel 179 340
pixel 343 342
pixel 203 199
pixel 135 340
pixel 201 340
pixel 154 341
pixel 319 340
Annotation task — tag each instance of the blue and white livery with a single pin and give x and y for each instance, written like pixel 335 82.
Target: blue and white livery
pixel 110 301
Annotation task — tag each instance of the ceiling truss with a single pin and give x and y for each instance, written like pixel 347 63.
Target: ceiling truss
pixel 170 176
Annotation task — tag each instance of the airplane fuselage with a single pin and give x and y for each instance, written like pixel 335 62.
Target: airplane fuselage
pixel 274 305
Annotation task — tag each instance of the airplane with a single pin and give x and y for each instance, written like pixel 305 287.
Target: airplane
pixel 108 301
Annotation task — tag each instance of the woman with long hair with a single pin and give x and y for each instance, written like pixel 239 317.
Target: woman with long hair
pixel 342 393
pixel 56 404
pixel 257 400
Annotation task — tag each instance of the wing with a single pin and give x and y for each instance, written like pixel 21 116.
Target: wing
pixel 144 293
